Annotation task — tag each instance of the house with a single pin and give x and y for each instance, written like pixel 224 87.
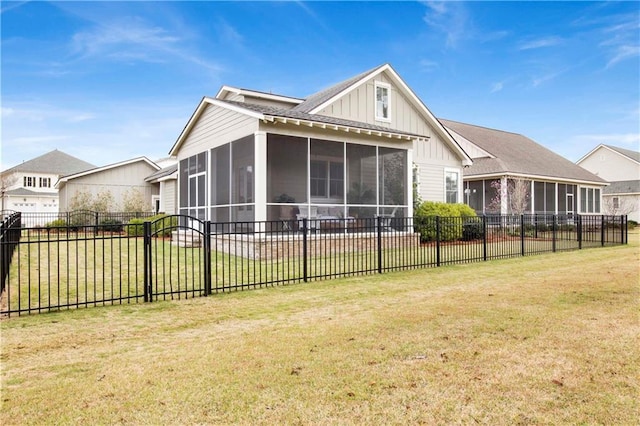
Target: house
pixel 30 186
pixel 167 181
pixel 345 152
pixel 116 182
pixel 621 168
pixel 512 174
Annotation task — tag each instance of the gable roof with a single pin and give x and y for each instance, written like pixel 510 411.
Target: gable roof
pixel 53 162
pixel 257 94
pixel 315 103
pixel 631 155
pixel 166 172
pixel 23 192
pixel 67 178
pixel 515 154
pixel 308 110
pixel 273 114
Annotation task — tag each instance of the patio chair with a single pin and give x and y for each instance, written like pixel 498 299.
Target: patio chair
pixel 311 214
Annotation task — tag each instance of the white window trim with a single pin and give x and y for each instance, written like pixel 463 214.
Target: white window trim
pixel 375 100
pixel 599 189
pixel 444 183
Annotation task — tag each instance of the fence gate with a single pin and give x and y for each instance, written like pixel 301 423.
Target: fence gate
pixel 177 258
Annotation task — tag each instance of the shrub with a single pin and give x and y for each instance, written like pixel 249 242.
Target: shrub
pixel 632 224
pixel 161 225
pixel 111 225
pixel 56 223
pixel 452 219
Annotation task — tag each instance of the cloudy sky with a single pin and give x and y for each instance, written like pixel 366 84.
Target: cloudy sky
pixel 109 81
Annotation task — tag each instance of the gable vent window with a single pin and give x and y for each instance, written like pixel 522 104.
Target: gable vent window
pixel 383 102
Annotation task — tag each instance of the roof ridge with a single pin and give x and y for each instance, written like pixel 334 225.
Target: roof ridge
pixel 483 127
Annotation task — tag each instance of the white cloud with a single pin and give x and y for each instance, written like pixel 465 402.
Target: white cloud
pixel 427 65
pixel 450 19
pixel 540 43
pixel 496 87
pixel 623 52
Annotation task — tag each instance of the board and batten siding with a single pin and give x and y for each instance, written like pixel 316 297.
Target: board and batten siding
pixel 216 126
pixel 118 181
pixel 168 196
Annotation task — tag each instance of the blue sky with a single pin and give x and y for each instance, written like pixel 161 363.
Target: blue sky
pixel 109 81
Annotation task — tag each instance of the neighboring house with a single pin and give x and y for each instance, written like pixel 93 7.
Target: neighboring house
pixel 30 186
pixel 513 164
pixel 347 151
pixel 119 180
pixel 167 180
pixel 621 168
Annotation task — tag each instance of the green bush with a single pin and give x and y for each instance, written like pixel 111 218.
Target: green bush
pixel 56 223
pixel 160 228
pixel 632 224
pixel 452 220
pixel 111 225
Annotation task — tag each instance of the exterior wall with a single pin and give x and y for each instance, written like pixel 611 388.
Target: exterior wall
pixel 610 165
pixel 432 158
pixel 626 202
pixel 41 203
pixel 118 181
pixel 216 126
pixel 45 198
pixel 168 196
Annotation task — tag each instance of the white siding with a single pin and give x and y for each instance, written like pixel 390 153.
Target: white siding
pixel 611 166
pixel 216 126
pixel 168 196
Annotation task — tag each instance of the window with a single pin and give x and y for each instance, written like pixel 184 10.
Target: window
pixel 383 92
pixel 327 179
pixel 616 202
pixel 29 181
pixel 451 187
pixel 45 182
pixel 590 200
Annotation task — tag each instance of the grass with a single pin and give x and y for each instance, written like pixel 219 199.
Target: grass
pixel 549 339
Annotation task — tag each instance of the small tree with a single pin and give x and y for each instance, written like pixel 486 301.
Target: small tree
pixel 103 201
pixel 617 206
pixel 517 193
pixel 133 201
pixel 6 182
pixel 81 200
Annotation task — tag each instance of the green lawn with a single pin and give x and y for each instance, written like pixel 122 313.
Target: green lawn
pixel 548 339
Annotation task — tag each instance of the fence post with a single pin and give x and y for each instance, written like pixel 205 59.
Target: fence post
pixel 602 230
pixel 207 258
pixel 146 227
pixel 622 226
pixel 95 232
pixel 522 234
pixel 304 249
pixel 579 231
pixel 437 240
pixel 484 237
pixel 379 242
pixel 553 233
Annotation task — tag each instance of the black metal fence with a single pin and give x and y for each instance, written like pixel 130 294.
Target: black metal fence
pixel 174 257
pixel 74 218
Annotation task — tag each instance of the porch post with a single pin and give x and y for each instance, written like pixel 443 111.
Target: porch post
pixel 504 193
pixel 260 176
pixel 409 182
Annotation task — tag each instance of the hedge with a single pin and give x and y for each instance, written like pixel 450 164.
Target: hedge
pixel 454 219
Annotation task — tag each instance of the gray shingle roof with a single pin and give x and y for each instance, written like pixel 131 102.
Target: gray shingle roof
pixel 516 153
pixel 318 98
pixel 22 192
pixel 634 155
pixel 162 173
pixel 298 115
pixel 54 162
pixel 623 187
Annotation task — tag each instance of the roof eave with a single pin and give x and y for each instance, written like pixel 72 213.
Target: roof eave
pixel 535 177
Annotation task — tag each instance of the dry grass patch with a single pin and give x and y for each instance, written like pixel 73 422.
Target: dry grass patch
pixel 542 339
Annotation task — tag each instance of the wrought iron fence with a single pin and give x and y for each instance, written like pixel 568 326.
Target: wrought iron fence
pixel 75 218
pixel 174 257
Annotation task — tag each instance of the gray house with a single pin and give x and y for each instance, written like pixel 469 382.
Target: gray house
pixel 516 166
pixel 344 152
pixel 119 180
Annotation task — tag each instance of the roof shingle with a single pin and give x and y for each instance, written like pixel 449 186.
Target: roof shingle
pixel 54 162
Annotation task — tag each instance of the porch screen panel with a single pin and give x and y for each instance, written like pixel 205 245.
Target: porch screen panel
pixel 220 161
pixel 490 196
pixel 326 172
pixel 392 176
pixel 538 196
pixel 286 169
pixel 361 174
pixel 242 182
pixel 550 198
pixel 596 200
pixel 474 195
pixel 184 183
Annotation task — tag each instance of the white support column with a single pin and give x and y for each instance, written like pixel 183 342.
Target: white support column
pixel 409 182
pixel 260 176
pixel 504 193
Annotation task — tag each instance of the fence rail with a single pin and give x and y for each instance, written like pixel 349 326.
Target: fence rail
pixel 174 257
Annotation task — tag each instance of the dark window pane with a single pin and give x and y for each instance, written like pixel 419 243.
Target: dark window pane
pixel 392 176
pixel 362 174
pixel 286 169
pixel 184 182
